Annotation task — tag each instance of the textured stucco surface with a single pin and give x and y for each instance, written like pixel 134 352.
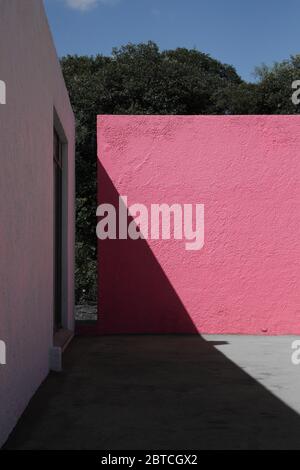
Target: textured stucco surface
pixel 30 68
pixel 246 171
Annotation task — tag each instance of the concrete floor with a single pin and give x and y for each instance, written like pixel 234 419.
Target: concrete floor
pixel 167 392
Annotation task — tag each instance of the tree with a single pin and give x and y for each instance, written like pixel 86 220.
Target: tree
pixel 274 87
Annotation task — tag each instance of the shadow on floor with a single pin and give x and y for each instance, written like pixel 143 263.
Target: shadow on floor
pixel 153 392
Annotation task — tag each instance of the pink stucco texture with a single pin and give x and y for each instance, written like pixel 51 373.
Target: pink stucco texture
pixel 246 171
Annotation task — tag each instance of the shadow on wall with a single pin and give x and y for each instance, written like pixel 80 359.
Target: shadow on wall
pixel 135 295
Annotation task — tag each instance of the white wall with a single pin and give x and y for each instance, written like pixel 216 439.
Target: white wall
pixel 35 87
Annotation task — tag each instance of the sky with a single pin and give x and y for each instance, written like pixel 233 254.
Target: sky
pixel 237 32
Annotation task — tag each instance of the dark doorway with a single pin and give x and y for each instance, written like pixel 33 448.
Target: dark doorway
pixel 57 178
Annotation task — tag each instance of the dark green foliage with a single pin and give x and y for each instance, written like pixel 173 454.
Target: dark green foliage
pixel 274 87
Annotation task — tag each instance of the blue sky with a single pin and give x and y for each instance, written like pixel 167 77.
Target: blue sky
pixel 238 32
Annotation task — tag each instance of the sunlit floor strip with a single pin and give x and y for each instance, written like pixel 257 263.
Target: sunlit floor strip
pixel 267 359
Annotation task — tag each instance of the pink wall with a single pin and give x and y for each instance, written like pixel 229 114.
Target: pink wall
pixel 246 171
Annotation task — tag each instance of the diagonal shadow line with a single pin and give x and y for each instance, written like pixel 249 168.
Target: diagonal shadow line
pixel 153 392
pixel 135 295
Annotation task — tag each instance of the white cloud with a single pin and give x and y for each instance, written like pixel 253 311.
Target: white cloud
pixel 84 5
